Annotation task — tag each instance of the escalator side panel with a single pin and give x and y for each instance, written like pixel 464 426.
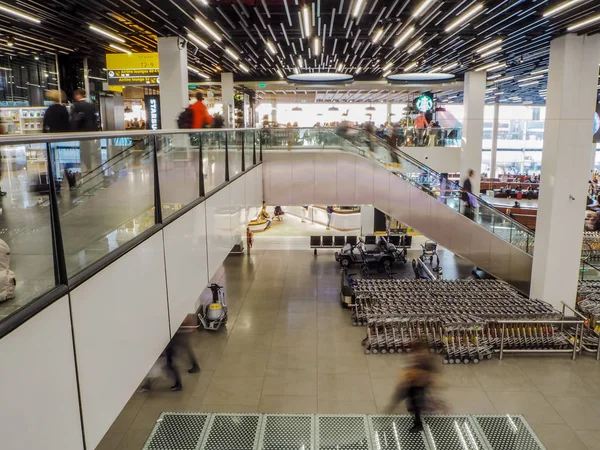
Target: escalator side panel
pixel 346 180
pixel 365 182
pixel 325 179
pixel 303 179
pixel 382 192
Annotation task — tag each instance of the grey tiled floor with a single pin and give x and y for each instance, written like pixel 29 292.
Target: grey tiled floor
pixel 290 348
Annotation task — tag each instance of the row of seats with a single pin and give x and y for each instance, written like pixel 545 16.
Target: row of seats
pixel 340 241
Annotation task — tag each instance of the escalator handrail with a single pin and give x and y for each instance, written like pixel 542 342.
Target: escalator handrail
pixel 100 167
pixel 430 170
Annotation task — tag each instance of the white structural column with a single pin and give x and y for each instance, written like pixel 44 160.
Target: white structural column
pixel 173 73
pixel 227 92
pixel 472 128
pixel 570 106
pixel 388 110
pixel 495 126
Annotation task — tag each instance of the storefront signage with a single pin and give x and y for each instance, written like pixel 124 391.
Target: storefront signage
pixel 152 103
pixel 132 69
pixel 424 103
pixel 597 124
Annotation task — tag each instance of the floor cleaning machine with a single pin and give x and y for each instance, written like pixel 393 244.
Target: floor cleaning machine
pixel 214 314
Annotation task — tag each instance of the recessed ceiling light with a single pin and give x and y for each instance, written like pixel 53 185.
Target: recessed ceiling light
pixel 491 66
pixel 404 36
pixel 37 58
pixel 9 44
pixel 464 17
pixel 357 7
pixel 195 39
pixel 231 53
pixel 208 29
pixel 121 49
pixel 488 45
pixel 305 15
pixel 500 80
pixel 414 47
pixel 107 34
pixel 450 66
pixel 490 52
pixel 19 14
pixel 377 35
pixel 421 8
pixel 536 77
pixel 529 84
pixel 583 23
pixel 560 7
pixel 411 66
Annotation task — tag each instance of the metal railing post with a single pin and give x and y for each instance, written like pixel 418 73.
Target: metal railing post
pixel 261 147
pixel 243 151
pixel 575 338
pixel 226 158
pixel 157 202
pixel 202 189
pixel 254 148
pixel 60 264
pixel 502 342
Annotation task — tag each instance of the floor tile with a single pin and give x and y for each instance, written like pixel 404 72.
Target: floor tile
pixel 591 439
pixel 293 404
pixel 557 381
pixel 249 364
pixel 249 342
pixel 387 365
pixel 342 362
pixel 228 408
pixel 502 376
pixel 295 338
pixel 466 401
pixel 329 406
pixel 284 382
pixel 579 414
pixel 558 437
pixel 293 358
pixel 234 391
pixel 345 387
pixel 384 389
pixel 532 405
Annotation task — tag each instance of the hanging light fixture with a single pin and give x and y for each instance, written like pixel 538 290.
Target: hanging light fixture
pixel 333 109
pixel 296 108
pixel 370 108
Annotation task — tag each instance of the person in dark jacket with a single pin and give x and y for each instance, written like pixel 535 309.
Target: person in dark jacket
pixel 83 113
pixel 467 195
pixel 56 117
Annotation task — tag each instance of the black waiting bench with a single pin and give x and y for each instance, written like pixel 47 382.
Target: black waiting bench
pixel 317 242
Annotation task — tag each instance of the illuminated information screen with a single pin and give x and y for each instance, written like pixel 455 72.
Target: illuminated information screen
pixel 134 69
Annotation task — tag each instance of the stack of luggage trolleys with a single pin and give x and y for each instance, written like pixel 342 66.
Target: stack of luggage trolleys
pixel 588 304
pixel 591 245
pixel 458 318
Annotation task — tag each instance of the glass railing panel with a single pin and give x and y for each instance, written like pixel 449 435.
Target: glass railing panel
pixel 588 271
pixel 421 137
pixel 111 207
pixel 213 159
pixel 24 226
pixel 234 145
pixel 178 171
pixel 249 146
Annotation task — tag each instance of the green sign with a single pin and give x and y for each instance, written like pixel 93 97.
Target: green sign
pixel 262 85
pixel 192 86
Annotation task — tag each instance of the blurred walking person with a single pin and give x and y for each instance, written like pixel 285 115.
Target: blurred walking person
pixel 415 383
pixel 83 113
pixel 56 117
pixel 201 117
pixel 467 196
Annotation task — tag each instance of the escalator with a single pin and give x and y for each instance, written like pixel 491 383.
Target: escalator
pixel 406 190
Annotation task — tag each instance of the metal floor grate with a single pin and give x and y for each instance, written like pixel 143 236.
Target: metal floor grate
pixel 507 432
pixel 205 431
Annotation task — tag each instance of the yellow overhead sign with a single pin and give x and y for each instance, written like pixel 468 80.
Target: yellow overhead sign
pixel 120 61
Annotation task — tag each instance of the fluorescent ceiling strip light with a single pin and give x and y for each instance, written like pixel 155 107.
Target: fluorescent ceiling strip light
pixel 529 84
pixel 208 29
pixel 357 7
pixel 106 33
pixel 385 74
pixel 377 35
pixel 8 68
pixel 421 8
pixel 411 66
pixel 316 46
pixel 196 40
pixel 231 53
pixel 271 47
pixel 296 70
pixel 191 69
pixel 464 17
pixel 404 36
pixel 489 45
pixel 358 70
pixel 414 47
pixel 490 90
pixel 244 68
pixel 539 71
pixel 121 49
pixel 450 66
pixel 340 67
pixel 19 14
pixel 493 77
pixel 90 77
pixel 280 73
pixel 583 23
pixel 500 80
pixel 387 66
pixel 491 66
pixel 537 77
pixel 306 16
pixel 560 7
pixel 300 62
pixel 491 52
pixel 435 69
